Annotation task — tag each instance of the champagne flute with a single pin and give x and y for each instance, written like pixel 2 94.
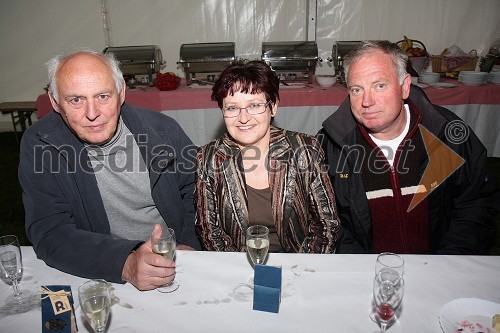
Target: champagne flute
pixel 95 302
pixel 388 290
pixel 165 246
pixel 388 261
pixel 257 242
pixel 11 267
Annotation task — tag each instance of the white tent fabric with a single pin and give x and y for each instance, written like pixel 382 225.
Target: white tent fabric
pixel 33 31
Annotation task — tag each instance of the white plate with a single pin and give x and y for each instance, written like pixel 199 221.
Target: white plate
pixel 196 85
pixel 442 85
pixel 422 85
pixel 472 315
pixel 474 83
pixel 293 85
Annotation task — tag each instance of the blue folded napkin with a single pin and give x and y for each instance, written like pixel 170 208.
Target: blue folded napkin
pixel 267 288
pixel 57 309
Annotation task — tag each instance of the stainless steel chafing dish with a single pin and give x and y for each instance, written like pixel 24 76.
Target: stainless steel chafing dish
pixel 209 59
pixel 138 60
pixel 291 60
pixel 339 51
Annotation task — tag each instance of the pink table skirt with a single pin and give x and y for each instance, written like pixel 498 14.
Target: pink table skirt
pixel 189 97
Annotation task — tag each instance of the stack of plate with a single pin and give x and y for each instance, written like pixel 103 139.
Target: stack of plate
pixel 494 77
pixel 428 77
pixel 472 78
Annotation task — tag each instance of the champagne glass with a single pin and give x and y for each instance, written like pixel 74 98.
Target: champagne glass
pixel 11 267
pixel 388 290
pixel 257 243
pixel 95 302
pixel 388 261
pixel 165 246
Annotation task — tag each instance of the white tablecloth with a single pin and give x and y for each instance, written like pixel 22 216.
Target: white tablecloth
pixel 204 125
pixel 321 293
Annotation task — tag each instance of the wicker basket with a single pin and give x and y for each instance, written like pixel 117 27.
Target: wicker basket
pixel 417 63
pixel 439 65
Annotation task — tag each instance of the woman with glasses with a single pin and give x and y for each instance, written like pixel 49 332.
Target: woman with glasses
pixel 260 174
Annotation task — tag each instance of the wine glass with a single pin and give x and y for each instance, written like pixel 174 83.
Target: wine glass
pixel 95 302
pixel 11 267
pixel 388 261
pixel 257 243
pixel 388 290
pixel 165 246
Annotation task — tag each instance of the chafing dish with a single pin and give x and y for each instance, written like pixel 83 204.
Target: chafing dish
pixel 291 60
pixel 339 51
pixel 138 60
pixel 209 59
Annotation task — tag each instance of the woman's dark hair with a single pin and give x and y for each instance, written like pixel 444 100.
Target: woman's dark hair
pixel 252 77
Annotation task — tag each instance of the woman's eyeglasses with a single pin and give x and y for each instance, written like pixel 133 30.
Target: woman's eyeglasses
pixel 253 109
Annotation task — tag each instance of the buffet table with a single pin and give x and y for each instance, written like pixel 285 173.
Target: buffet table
pixel 304 108
pixel 321 293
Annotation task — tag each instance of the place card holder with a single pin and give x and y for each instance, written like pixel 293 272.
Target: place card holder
pixel 58 313
pixel 267 288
